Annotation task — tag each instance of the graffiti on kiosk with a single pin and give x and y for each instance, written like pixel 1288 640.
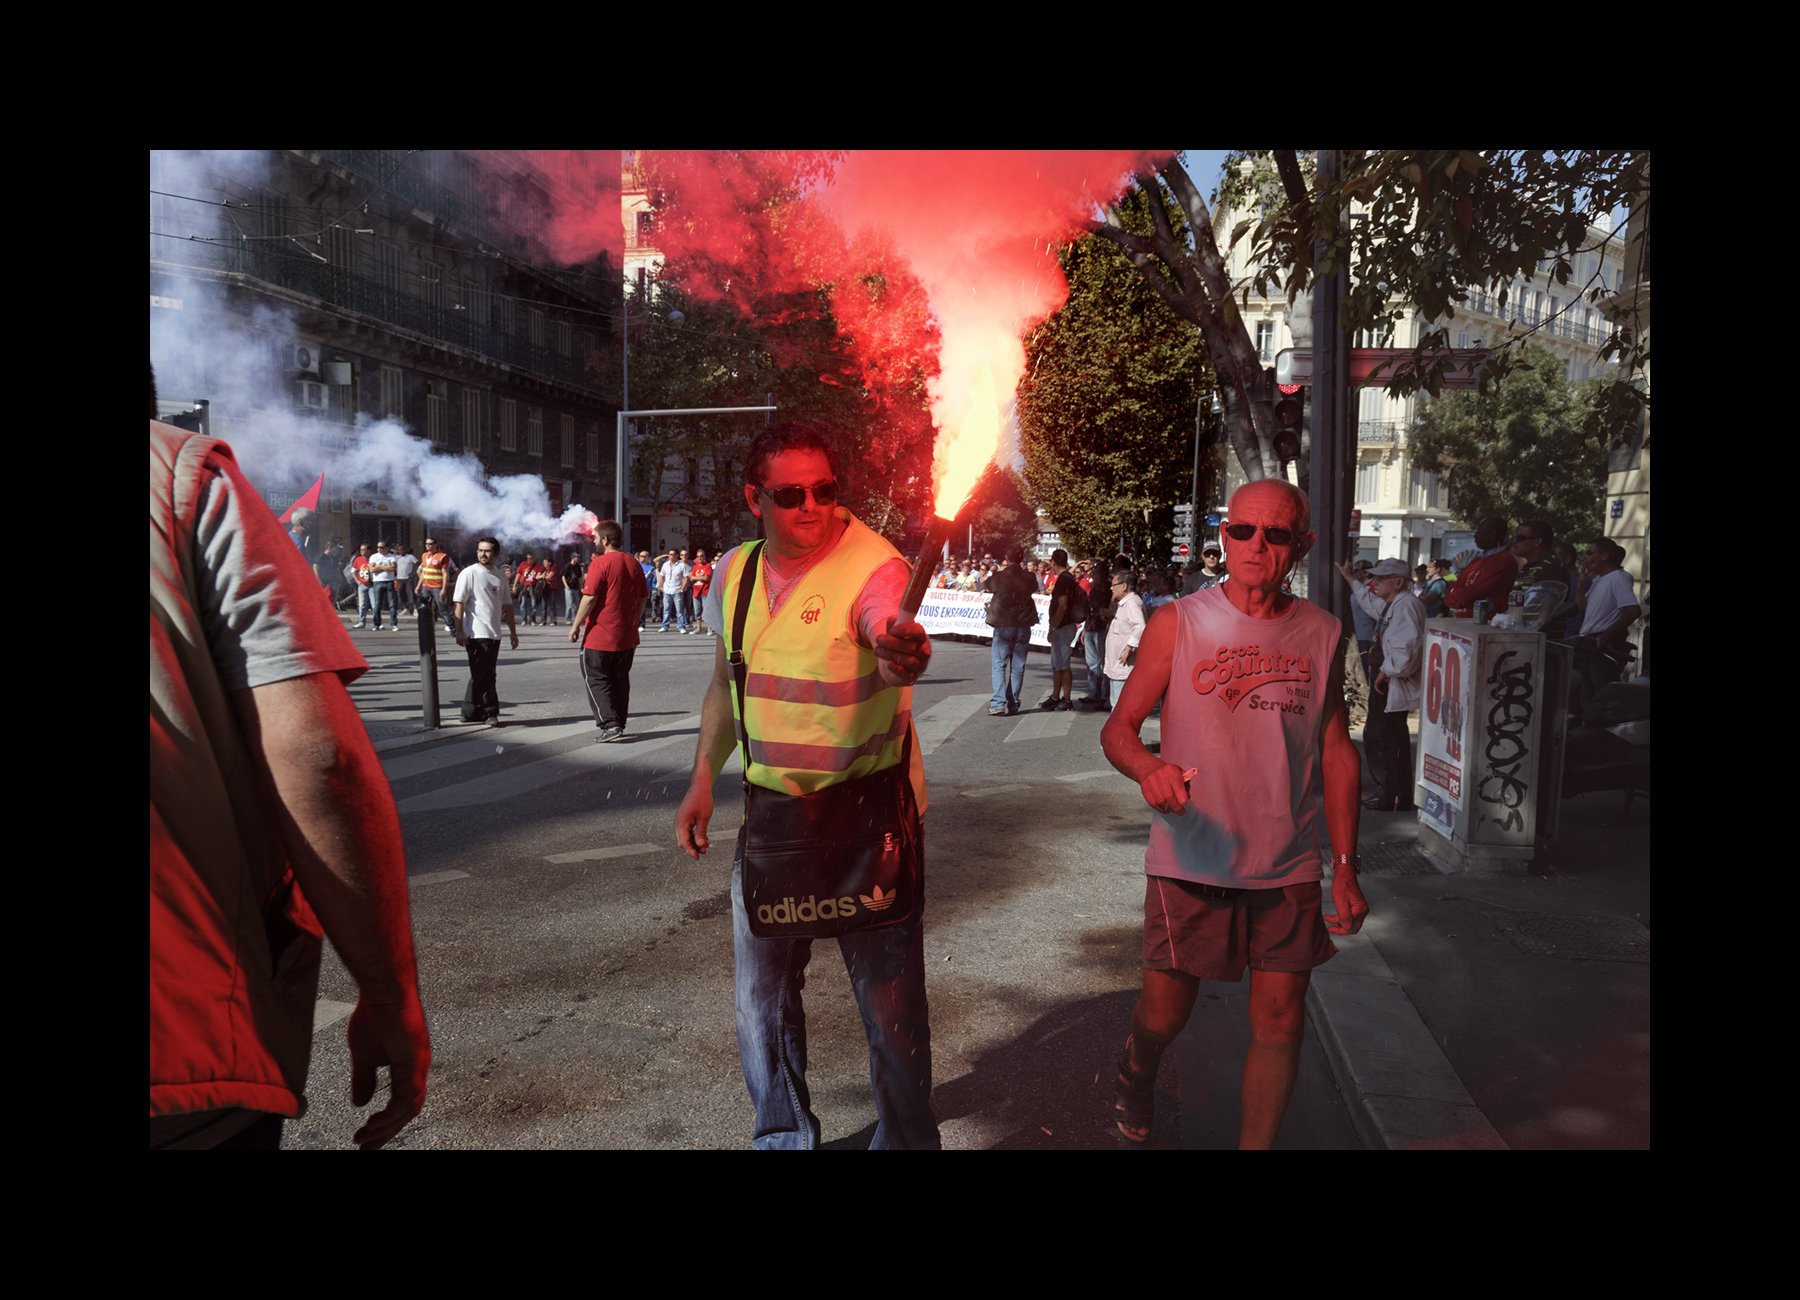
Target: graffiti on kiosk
pixel 1503 790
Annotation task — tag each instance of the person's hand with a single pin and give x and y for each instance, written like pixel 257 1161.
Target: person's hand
pixel 691 819
pixel 1381 681
pixel 1165 789
pixel 574 634
pixel 1344 568
pixel 515 637
pixel 905 650
pixel 395 1037
pixel 1348 901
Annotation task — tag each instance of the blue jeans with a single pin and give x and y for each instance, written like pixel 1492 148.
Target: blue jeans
pixel 1011 645
pixel 672 609
pixel 364 599
pixel 887 974
pixel 1093 647
pixel 386 598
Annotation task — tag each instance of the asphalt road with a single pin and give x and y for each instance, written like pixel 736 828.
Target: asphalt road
pixel 576 966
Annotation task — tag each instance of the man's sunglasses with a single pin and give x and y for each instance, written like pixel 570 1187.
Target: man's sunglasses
pixel 792 498
pixel 1274 536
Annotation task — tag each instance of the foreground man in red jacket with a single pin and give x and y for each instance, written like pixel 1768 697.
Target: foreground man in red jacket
pixel 270 821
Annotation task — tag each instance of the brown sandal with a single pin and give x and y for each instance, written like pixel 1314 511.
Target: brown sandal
pixel 1134 1100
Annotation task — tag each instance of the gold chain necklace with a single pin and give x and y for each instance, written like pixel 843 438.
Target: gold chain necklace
pixel 775 596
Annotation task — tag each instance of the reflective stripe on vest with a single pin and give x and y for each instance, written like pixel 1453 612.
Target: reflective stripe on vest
pixel 826 717
pixel 431 569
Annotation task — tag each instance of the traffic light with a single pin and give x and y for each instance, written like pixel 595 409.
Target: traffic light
pixel 1290 421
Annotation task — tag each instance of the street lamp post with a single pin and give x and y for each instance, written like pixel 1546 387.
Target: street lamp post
pixel 623 451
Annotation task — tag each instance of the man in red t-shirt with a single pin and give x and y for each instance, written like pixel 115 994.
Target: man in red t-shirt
pixel 612 598
pixel 699 581
pixel 1489 576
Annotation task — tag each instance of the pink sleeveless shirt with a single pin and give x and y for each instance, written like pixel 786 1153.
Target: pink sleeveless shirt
pixel 1245 705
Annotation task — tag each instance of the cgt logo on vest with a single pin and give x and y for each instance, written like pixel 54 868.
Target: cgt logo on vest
pixel 812 609
pixel 1237 672
pixel 788 912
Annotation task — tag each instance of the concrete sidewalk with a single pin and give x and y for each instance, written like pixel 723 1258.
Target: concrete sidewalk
pixel 1498 1010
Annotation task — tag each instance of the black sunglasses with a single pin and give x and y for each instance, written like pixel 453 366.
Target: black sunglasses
pixel 792 498
pixel 1273 535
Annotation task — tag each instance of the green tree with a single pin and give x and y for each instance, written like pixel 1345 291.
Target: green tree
pixel 1524 449
pixel 1000 513
pixel 1430 227
pixel 1107 407
pixel 780 303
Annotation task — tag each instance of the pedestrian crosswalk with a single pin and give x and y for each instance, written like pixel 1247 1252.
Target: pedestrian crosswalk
pixel 554 759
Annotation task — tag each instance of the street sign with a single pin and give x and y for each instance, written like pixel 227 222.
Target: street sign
pixel 1356 523
pixel 1374 367
pixel 1181 551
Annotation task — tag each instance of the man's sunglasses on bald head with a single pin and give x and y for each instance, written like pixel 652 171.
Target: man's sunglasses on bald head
pixel 1273 535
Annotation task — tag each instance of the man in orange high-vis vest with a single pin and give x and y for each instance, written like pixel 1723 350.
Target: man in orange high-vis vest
pixel 828 700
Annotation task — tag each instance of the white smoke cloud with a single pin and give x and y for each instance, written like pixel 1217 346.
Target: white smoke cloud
pixel 232 356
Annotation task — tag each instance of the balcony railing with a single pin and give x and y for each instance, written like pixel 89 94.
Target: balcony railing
pixel 1381 433
pixel 439 320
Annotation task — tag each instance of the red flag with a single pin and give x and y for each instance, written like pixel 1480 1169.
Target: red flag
pixel 308 500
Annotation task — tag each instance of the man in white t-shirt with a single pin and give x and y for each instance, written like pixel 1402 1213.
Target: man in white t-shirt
pixel 673 580
pixel 483 604
pixel 1608 609
pixel 382 567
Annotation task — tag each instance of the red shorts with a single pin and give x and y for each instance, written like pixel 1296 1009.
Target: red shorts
pixel 1214 939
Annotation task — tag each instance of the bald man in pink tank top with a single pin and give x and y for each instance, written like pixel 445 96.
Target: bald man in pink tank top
pixel 1251 681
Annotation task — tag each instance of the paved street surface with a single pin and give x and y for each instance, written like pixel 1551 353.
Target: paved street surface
pixel 576 966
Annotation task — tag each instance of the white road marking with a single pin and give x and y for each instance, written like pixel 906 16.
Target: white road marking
pixel 985 791
pixel 616 851
pixel 944 717
pixel 1041 726
pixel 435 878
pixel 1088 776
pixel 526 778
pixel 466 749
pixel 327 1013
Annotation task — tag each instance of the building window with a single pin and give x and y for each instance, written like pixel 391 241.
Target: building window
pixel 1265 341
pixel 645 225
pixel 535 318
pixel 1368 483
pixel 392 393
pixel 568 441
pixel 1462 338
pixel 509 424
pixel 534 431
pixel 472 419
pixel 503 313
pixel 593 451
pixel 565 337
pixel 437 413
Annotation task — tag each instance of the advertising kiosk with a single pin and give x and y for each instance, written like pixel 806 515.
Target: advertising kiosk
pixel 1492 726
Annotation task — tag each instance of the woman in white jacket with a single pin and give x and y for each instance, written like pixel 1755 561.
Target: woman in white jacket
pixel 1126 628
pixel 1398 657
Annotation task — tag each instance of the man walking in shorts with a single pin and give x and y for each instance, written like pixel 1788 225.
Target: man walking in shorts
pixel 1251 682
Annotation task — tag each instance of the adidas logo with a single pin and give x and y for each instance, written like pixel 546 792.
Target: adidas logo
pixel 879 902
pixel 788 912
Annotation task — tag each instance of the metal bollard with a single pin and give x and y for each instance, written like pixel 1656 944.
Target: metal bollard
pixel 427 618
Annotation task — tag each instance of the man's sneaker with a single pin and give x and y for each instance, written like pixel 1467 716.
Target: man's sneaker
pixel 1048 702
pixel 1067 706
pixel 996 713
pixel 359 625
pixel 610 734
pixel 662 629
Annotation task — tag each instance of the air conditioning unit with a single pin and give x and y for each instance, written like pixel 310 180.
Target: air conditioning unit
pixel 310 395
pixel 304 357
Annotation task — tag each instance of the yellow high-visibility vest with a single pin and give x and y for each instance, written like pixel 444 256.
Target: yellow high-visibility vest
pixel 815 707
